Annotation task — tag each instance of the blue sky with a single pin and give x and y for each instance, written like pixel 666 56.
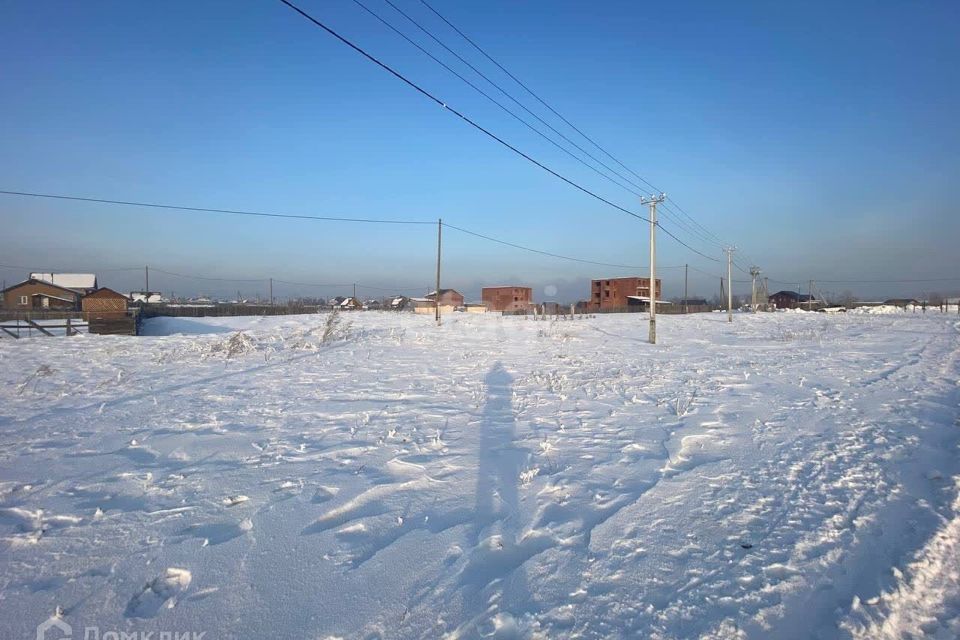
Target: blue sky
pixel 820 138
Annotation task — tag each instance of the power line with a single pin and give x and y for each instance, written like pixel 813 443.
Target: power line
pixel 878 281
pixel 488 96
pixel 345 284
pixel 513 99
pixel 48 269
pixel 541 252
pixel 237 212
pixel 559 115
pixel 452 110
pixel 192 277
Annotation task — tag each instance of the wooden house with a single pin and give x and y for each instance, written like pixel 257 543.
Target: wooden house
pixel 39 295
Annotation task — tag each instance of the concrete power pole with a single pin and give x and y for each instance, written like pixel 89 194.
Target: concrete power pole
pixel 436 300
pixel 686 273
pixel 729 251
pixel 754 273
pixel 652 201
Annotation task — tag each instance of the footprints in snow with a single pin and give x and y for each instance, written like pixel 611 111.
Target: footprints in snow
pixel 160 592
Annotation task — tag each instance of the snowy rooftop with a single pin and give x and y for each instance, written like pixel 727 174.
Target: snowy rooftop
pixel 68 280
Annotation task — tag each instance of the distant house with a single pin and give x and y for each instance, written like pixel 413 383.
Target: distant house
pixel 448 297
pixel 149 297
pixel 693 305
pixel 40 295
pixel 424 305
pixel 792 300
pixel 901 302
pixel 372 305
pixel 399 303
pixel 104 303
pixel 82 283
pixel 349 304
pixel 508 298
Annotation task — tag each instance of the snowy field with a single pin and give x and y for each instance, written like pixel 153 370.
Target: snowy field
pixel 792 475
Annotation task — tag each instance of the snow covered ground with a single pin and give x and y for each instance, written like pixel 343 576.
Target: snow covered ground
pixel 791 475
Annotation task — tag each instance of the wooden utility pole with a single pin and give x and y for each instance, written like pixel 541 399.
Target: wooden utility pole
pixel 271 292
pixel 652 202
pixel 686 273
pixel 729 251
pixel 354 293
pixel 436 298
pixel 146 277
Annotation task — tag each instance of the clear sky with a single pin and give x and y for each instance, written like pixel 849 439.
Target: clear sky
pixel 821 138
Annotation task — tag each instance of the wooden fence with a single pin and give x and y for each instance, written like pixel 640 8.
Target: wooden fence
pixel 216 310
pixel 25 327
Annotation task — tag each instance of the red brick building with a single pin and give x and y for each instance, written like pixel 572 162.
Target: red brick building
pixel 613 293
pixel 509 299
pixel 448 297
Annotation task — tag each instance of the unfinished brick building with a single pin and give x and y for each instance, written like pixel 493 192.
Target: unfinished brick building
pixel 614 293
pixel 508 299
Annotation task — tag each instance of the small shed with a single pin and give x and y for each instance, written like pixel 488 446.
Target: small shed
pixel 104 303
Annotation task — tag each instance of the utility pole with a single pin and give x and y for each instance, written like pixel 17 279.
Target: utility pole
pixel 146 277
pixel 686 272
pixel 754 273
pixel 436 299
pixel 354 293
pixel 652 201
pixel 810 295
pixel 271 292
pixel 730 251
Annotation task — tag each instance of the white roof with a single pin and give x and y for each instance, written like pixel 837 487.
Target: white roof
pixel 647 299
pixel 68 280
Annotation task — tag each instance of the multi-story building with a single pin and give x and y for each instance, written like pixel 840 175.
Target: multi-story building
pixel 509 299
pixel 614 293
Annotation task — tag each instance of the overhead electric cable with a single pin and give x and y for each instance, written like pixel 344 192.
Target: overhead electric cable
pixel 237 212
pixel 559 115
pixel 494 100
pixel 455 112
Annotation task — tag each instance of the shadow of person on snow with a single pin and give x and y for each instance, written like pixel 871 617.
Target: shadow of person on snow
pixel 499 550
